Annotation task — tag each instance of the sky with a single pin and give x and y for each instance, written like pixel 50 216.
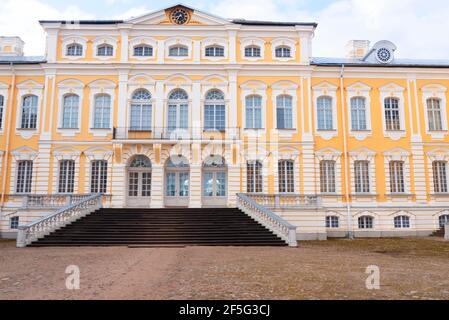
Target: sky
pixel 418 28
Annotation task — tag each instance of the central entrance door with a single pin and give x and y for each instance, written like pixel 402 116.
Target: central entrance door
pixel 214 182
pixel 177 182
pixel 139 182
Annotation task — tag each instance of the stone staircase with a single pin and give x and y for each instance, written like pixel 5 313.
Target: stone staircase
pixel 163 227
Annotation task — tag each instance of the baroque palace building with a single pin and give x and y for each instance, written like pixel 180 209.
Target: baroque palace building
pixel 183 108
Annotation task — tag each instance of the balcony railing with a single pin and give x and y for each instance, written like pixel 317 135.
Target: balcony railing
pixel 286 201
pixel 176 134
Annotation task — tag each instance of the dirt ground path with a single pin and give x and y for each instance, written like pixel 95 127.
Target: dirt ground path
pixel 410 269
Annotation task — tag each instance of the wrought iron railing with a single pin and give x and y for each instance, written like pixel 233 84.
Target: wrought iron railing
pixel 42 227
pixel 286 201
pixel 175 134
pixel 268 219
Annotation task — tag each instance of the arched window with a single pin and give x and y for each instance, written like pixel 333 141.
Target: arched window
pixel 178 51
pixel 66 176
pixel 283 52
pixel 105 50
pixel 253 52
pixel 253 109
pixel 284 112
pixel 440 176
pixel 254 178
pixel 141 111
pixel 24 176
pixel 143 51
pixel 443 220
pixel 74 50
pixel 434 114
pixel 215 51
pixel 286 176
pixel 214 111
pixel 214 180
pixel 178 110
pixel 140 162
pixel 29 112
pixel 358 114
pixel 401 222
pixel 392 114
pixel 332 222
pixel 102 111
pixel 70 112
pixel 325 113
pixel 2 102
pixel 327 176
pixel 366 222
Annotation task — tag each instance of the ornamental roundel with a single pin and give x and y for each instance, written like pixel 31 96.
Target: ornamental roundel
pixel 384 55
pixel 179 16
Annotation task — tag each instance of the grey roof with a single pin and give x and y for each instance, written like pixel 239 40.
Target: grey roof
pixel 22 60
pixel 82 21
pixel 409 63
pixel 273 23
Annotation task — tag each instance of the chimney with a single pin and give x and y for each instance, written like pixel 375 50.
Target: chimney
pixel 11 47
pixel 357 49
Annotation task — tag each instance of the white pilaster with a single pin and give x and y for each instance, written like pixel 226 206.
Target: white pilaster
pixel 119 181
pixel 160 51
pixel 233 99
pixel 42 167
pixel 157 186
pixel 124 49
pixel 196 51
pixel 196 107
pixel 195 186
pixel 122 98
pixel 232 34
pixel 52 43
pixel 160 105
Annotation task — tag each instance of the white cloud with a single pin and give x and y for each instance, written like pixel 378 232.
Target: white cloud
pixel 15 21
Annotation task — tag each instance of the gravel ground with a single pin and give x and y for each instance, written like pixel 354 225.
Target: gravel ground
pixel 409 269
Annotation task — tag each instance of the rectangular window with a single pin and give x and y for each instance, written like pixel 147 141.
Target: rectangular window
pixel 214 117
pixel 253 52
pixel 327 176
pixel 215 52
pixel 14 223
pixel 392 115
pixel 102 112
pixel 24 176
pixel 286 176
pixel 141 117
pixel 358 114
pixel 254 178
pixel 98 176
pixel 440 176
pixel 66 176
pixel 284 112
pixel 397 184
pixel 70 112
pixel 361 174
pixel 434 115
pixel 324 113
pixel 146 184
pixel 29 112
pixel 332 222
pixel 253 112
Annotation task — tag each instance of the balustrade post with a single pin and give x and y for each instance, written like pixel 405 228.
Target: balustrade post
pixel 21 238
pixel 277 201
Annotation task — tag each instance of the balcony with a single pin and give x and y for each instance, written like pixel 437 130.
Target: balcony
pixel 173 135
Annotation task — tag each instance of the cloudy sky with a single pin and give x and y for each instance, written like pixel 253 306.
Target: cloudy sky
pixel 419 28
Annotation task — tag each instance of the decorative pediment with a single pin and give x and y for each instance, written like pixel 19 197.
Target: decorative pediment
pixel 178 79
pixel 254 85
pixel 365 213
pixel 325 87
pixel 141 79
pixel 439 154
pixel 98 153
pixel 284 85
pixel 3 86
pixel 359 87
pixel 215 79
pixel 66 153
pixel 30 85
pixel 391 88
pixel 102 84
pixel 402 213
pixel 434 88
pixel 166 17
pixel 24 153
pixel 362 154
pixel 396 154
pixel 71 84
pixel 328 154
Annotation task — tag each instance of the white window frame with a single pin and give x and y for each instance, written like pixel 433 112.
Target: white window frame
pixel 246 42
pixel 149 102
pixel 97 88
pixel 284 179
pixel 363 154
pixel 108 41
pixel 20 154
pixel 329 217
pixel 284 42
pixel 222 42
pixel 438 154
pixel 66 87
pixel 25 89
pixel 290 89
pixel 326 89
pixel 361 90
pixel 261 173
pixel 147 41
pixel 254 88
pixel 97 153
pixel 3 92
pixel 33 172
pixel 397 154
pixel 66 153
pixel 66 41
pixel 182 41
pixel 329 154
pixel 436 91
pixel 393 90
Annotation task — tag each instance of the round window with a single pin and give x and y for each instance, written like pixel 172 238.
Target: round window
pixel 384 55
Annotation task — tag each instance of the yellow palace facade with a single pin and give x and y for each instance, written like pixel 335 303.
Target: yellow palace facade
pixel 180 108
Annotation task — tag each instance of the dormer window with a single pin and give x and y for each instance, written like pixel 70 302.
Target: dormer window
pixel 105 50
pixel 215 51
pixel 143 51
pixel 283 52
pixel 178 51
pixel 252 52
pixel 75 50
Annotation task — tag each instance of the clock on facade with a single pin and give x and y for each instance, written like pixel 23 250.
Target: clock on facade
pixel 179 16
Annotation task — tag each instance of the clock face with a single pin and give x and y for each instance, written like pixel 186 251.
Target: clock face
pixel 179 16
